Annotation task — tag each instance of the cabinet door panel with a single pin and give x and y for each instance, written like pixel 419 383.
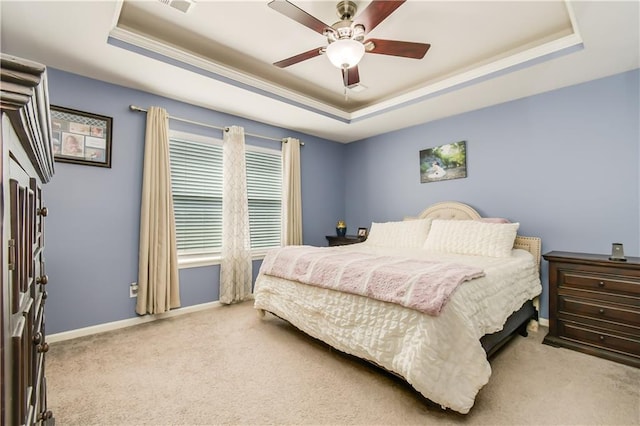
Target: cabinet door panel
pixel 25 296
pixel 19 376
pixel 15 276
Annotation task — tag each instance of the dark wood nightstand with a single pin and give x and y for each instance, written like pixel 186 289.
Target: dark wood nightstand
pixel 342 241
pixel 594 305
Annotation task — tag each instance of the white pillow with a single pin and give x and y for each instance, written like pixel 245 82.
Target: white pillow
pixel 404 234
pixel 471 237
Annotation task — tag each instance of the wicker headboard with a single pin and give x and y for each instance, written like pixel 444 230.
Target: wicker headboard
pixel 460 211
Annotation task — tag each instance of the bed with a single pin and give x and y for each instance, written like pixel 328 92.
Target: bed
pixel 441 351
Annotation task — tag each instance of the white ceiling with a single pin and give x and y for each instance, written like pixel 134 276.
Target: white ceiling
pixel 219 55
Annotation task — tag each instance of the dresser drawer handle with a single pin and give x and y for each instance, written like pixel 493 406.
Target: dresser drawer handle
pixel 601 284
pixel 601 311
pixel 45 415
pixel 602 338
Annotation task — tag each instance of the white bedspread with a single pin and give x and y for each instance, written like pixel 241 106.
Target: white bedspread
pixel 419 284
pixel 441 357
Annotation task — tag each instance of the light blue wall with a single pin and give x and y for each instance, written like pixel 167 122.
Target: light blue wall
pixel 565 164
pixel 93 225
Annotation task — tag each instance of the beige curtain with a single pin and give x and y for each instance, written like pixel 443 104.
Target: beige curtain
pixel 158 285
pixel 291 193
pixel 235 266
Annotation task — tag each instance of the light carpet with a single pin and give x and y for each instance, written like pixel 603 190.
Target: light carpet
pixel 226 365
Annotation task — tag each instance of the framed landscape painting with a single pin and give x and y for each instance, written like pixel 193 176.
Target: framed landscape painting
pixel 443 162
pixel 80 137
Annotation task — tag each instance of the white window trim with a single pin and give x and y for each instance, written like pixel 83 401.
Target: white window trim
pixel 195 137
pixel 187 261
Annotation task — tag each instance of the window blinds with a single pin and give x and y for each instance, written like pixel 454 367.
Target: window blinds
pixel 264 190
pixel 196 181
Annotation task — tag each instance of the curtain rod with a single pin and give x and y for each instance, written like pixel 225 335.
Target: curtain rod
pixel 224 129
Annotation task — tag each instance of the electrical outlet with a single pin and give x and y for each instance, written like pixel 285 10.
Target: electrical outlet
pixel 133 290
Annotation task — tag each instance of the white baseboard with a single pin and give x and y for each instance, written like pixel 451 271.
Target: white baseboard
pixel 115 325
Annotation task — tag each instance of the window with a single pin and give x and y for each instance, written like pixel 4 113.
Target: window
pixel 196 180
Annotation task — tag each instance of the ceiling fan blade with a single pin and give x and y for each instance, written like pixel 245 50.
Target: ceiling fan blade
pixel 351 76
pixel 294 12
pixel 299 58
pixel 406 49
pixel 376 12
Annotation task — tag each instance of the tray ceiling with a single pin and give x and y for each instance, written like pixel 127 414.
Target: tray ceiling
pixel 220 55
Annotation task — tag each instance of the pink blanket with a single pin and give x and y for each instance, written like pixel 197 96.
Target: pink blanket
pixel 417 284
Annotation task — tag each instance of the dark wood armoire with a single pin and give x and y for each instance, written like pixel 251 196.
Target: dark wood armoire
pixel 27 164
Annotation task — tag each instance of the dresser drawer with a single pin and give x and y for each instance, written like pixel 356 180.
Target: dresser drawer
pixel 599 338
pixel 599 282
pixel 598 310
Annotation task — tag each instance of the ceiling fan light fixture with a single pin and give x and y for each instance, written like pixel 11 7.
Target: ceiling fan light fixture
pixel 345 53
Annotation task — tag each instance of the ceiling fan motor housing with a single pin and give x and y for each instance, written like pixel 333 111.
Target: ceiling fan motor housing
pixel 346 9
pixel 344 30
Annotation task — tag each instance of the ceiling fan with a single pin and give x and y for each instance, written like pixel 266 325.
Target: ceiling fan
pixel 346 38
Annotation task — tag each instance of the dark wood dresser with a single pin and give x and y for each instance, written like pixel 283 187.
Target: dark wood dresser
pixel 342 241
pixel 27 163
pixel 594 305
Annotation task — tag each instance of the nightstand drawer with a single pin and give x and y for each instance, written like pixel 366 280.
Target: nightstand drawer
pixel 599 282
pixel 598 310
pixel 599 338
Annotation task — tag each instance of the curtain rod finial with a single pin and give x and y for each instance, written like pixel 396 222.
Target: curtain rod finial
pixel 284 140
